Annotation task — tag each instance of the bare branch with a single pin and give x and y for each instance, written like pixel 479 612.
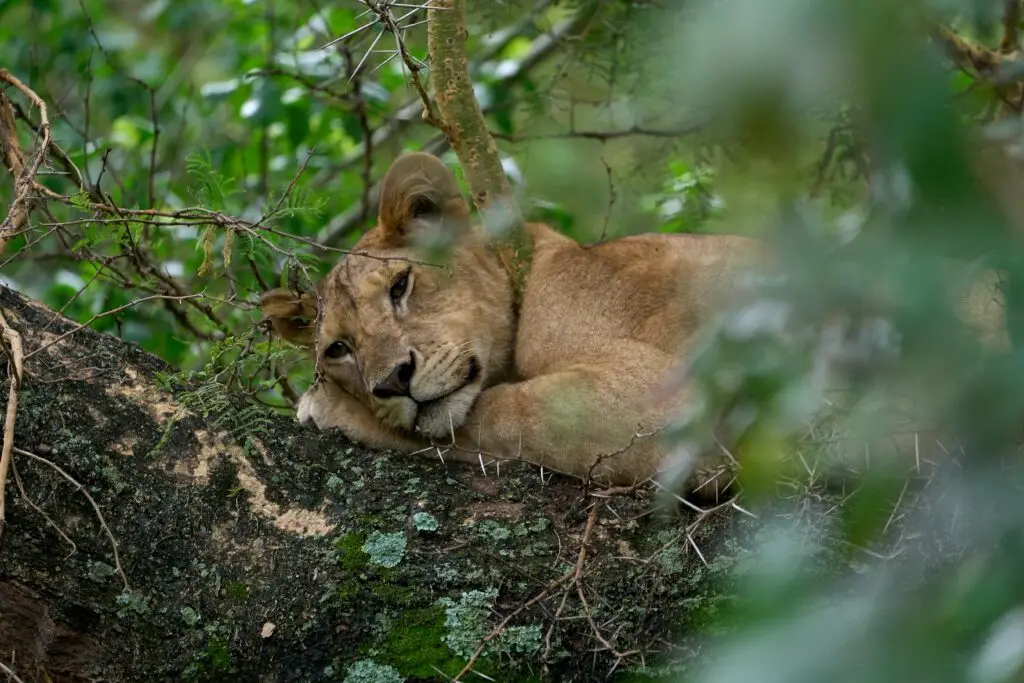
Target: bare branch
pixel 541 49
pixel 17 215
pixel 16 359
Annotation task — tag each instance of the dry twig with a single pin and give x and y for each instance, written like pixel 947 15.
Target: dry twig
pixel 11 676
pixel 17 214
pixel 16 359
pixel 92 501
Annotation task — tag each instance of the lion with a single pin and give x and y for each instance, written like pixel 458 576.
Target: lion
pixel 577 381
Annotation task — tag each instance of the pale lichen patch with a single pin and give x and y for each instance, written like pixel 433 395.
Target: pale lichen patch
pixel 293 520
pixel 479 510
pixel 125 446
pixel 199 469
pixel 160 404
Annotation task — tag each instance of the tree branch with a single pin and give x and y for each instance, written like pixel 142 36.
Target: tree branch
pixel 1011 17
pixel 542 48
pixel 24 180
pixel 16 357
pixel 466 129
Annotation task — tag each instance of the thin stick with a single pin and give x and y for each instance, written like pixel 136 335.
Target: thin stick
pixel 40 511
pixel 11 676
pixel 96 508
pixel 13 339
pixel 112 311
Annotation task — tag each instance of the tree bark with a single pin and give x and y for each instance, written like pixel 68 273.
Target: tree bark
pixel 258 550
pixel 466 129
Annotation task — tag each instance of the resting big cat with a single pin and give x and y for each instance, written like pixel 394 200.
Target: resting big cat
pixel 411 355
pixel 581 380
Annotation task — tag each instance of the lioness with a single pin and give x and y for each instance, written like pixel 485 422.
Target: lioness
pixel 410 354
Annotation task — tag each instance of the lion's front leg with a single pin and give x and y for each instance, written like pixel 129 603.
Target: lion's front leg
pixel 328 406
pixel 599 421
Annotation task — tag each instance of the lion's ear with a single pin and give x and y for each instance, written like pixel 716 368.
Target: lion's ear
pixel 419 191
pixel 292 315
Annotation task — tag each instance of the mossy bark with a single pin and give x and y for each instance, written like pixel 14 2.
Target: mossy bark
pixel 258 550
pixel 466 129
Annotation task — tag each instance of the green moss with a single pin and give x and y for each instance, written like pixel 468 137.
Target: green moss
pixel 236 590
pixel 214 661
pixel 218 656
pixel 348 550
pixel 415 646
pixel 392 594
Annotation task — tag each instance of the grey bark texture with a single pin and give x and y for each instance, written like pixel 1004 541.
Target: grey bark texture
pixel 258 550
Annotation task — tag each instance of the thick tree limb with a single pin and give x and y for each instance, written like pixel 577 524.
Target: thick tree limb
pixel 464 125
pixel 259 550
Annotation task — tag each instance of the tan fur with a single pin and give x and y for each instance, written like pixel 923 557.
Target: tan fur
pixel 576 385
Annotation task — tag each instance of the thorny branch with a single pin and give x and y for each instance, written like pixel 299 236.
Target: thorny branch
pixel 386 22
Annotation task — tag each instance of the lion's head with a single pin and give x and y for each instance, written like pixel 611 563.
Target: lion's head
pixel 414 342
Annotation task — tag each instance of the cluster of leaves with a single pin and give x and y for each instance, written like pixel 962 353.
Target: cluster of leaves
pixel 932 600
pixel 237 154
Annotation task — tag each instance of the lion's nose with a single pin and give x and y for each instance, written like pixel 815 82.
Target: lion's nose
pixel 396 383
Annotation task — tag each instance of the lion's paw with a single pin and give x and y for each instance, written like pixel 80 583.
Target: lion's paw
pixel 307 404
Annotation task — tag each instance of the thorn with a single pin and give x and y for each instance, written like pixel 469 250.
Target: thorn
pixel 360 64
pixel 347 35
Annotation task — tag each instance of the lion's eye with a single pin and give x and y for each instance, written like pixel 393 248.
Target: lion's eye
pixel 337 349
pixel 398 287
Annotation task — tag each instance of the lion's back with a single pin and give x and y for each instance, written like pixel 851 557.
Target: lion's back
pixel 651 288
